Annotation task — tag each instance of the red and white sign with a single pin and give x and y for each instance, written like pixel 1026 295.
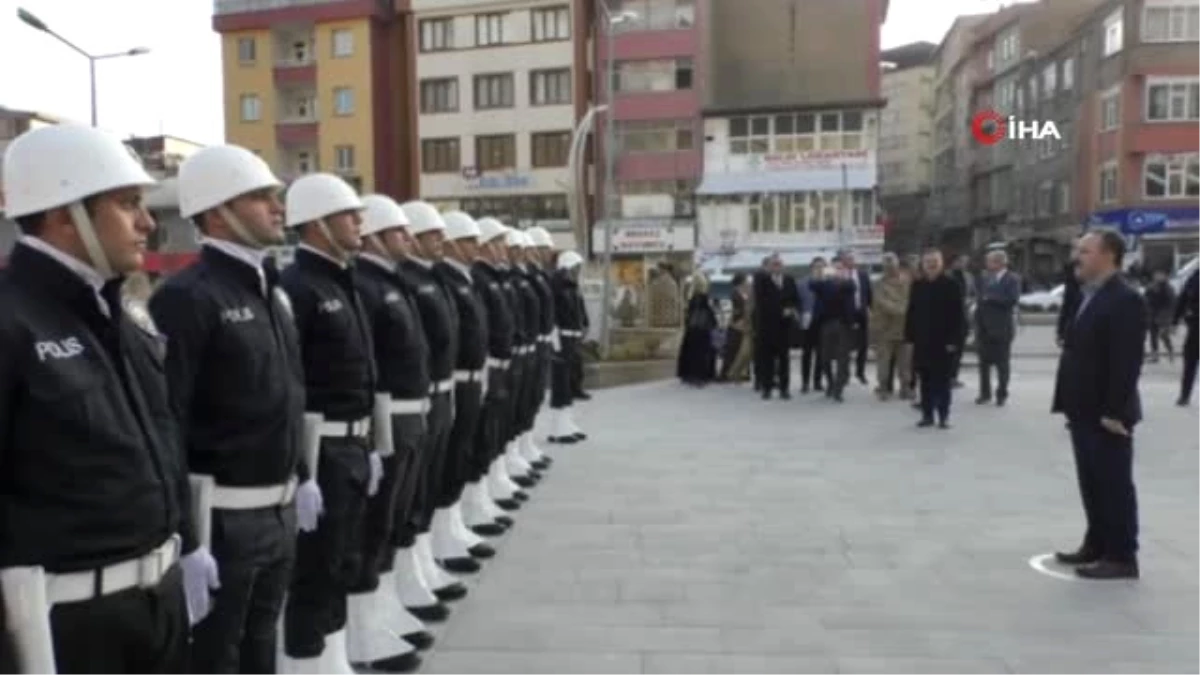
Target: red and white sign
pixel 815 159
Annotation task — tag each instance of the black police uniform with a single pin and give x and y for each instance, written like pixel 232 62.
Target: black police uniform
pixel 237 389
pixel 570 323
pixel 469 371
pixel 402 357
pixel 94 484
pixel 577 356
pixel 519 368
pixel 532 318
pixel 545 351
pixel 339 377
pixel 440 321
pixel 501 331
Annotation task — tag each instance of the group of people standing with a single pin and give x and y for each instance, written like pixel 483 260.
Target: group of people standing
pixel 324 444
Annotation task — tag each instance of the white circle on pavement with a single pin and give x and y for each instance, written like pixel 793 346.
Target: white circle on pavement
pixel 1044 563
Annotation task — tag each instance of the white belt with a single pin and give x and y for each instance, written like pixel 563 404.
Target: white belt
pixel 356 428
pixel 571 333
pixel 544 337
pixel 143 572
pixel 466 376
pixel 242 498
pixel 527 349
pixel 501 364
pixel 441 387
pixel 409 406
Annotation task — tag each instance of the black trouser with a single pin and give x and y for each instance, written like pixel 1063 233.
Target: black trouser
pixel 994 354
pixel 437 440
pixel 810 357
pixel 489 433
pixel 772 366
pixel 561 393
pixel 522 386
pixel 382 520
pixel 733 342
pixel 328 560
pixel 460 447
pixel 936 387
pixel 133 631
pixel 1160 332
pixel 577 370
pixel 1104 469
pixel 408 437
pixel 545 354
pixel 836 338
pixel 859 343
pixel 957 357
pixel 518 372
pixel 1191 352
pixel 255 550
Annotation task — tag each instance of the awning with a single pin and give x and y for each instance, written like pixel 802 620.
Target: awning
pixel 752 182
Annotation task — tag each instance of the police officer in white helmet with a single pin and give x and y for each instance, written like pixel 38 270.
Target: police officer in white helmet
pixel 537 270
pixel 339 370
pixel 570 322
pixel 237 387
pixel 527 379
pixel 95 509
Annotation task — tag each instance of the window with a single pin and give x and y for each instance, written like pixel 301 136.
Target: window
pixel 1068 73
pixel 1108 183
pixel 493 91
pixel 1045 198
pixel 495 152
pixel 549 149
pixel 343 101
pixel 1172 100
pixel 1114 32
pixel 655 135
pixel 343 157
pixel 1171 176
pixel 1110 109
pixel 246 50
pixel 1064 197
pixel 437 35
pixel 549 24
pixel 343 44
pixel 439 95
pixel 657 14
pixel 440 155
pixel 749 135
pixel 550 87
pixel 654 75
pixel 489 29
pixel 304 162
pixel 1047 147
pixel 1171 21
pixel 1050 79
pixel 251 108
pixel 797 132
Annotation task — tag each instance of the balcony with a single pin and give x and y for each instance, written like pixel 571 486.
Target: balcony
pixel 224 7
pixel 295 57
pixel 297 160
pixel 297 122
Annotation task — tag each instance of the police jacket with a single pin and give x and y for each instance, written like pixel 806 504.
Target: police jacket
pixel 401 355
pixel 496 302
pixel 566 310
pixel 541 285
pixel 438 316
pixel 233 366
pixel 91 467
pixel 516 304
pixel 335 338
pixel 530 305
pixel 472 315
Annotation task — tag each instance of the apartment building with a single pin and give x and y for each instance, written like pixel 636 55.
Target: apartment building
pixel 496 94
pixel 906 141
pixel 655 107
pixel 792 102
pixel 322 85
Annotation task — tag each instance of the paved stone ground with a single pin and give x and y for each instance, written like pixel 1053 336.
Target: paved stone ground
pixel 706 531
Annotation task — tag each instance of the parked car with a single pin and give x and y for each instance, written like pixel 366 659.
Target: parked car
pixel 1042 301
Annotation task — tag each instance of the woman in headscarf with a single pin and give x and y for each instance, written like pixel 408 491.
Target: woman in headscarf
pixel 697 354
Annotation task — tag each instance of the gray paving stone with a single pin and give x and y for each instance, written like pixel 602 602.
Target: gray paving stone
pixel 707 531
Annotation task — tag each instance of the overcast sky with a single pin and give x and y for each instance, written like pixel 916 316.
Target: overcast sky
pixel 176 88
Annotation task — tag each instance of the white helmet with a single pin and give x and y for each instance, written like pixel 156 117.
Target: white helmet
pixel 515 238
pixel 63 164
pixel 422 217
pixel 382 213
pixel 540 236
pixel 217 174
pixel 569 260
pixel 319 195
pixel 490 228
pixel 460 225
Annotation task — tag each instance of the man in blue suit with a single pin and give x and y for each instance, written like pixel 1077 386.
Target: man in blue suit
pixel 995 318
pixel 1097 390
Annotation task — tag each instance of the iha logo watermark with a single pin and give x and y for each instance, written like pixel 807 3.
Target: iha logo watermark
pixel 990 127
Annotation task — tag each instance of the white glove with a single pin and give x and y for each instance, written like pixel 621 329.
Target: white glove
pixel 199 579
pixel 309 505
pixel 806 320
pixel 376 473
pixel 556 341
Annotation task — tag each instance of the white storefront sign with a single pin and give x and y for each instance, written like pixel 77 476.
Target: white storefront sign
pixel 646 237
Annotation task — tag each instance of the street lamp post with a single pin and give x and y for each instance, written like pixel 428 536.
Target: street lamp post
pixel 610 167
pixel 29 19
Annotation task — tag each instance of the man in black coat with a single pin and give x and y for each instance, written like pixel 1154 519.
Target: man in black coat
pixel 1097 390
pixel 1070 300
pixel 1187 307
pixel 861 298
pixel 934 326
pixel 835 296
pixel 999 291
pixel 776 312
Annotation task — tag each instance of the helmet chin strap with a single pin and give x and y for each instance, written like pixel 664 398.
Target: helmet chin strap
pixel 238 228
pixel 337 248
pixel 91 243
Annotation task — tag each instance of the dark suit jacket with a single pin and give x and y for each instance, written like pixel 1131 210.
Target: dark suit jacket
pixel 934 320
pixel 1070 301
pixel 771 325
pixel 866 294
pixel 835 298
pixel 1187 305
pixel 996 302
pixel 1101 358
